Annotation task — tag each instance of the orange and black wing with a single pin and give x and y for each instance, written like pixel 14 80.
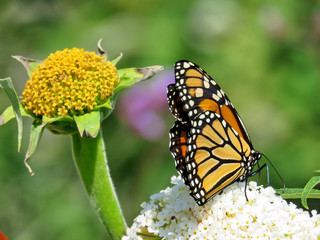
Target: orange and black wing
pixel 216 156
pixel 209 142
pixel 198 93
pixel 178 147
pixel 176 106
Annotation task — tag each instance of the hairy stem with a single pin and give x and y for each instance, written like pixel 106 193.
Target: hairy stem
pixel 91 161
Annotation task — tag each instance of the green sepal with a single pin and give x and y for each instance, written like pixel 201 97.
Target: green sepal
pixel 88 124
pixel 106 108
pixel 116 60
pixel 7 86
pixel 130 76
pixel 307 190
pixel 48 120
pixel 35 135
pixel 101 52
pixel 28 63
pixel 63 125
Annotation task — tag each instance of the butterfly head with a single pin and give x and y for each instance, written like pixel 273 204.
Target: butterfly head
pixel 254 157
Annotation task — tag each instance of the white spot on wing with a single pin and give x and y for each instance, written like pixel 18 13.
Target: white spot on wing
pixel 215 97
pixel 199 92
pixel 224 123
pixel 186 65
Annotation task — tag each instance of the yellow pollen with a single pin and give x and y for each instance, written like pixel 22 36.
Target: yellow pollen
pixel 69 82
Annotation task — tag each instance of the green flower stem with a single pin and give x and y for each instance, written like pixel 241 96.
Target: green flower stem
pixel 91 160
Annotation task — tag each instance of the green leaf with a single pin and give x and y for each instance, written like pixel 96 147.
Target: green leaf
pixel 307 189
pixel 289 193
pixel 7 86
pixel 303 193
pixel 28 63
pixel 130 76
pixel 9 114
pixel 88 124
pixel 294 193
pixel 36 133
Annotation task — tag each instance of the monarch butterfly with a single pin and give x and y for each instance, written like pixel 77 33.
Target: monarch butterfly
pixel 210 144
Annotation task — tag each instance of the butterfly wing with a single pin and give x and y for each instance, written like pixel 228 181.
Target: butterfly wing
pixel 217 156
pixel 199 93
pixel 209 142
pixel 175 104
pixel 178 147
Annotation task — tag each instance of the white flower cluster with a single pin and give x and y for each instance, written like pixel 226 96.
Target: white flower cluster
pixel 173 214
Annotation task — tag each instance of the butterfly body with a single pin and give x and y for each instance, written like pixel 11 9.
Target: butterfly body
pixel 211 147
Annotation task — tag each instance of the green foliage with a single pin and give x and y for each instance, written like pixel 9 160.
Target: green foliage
pixel 35 136
pixel 302 193
pixel 7 86
pixel 308 191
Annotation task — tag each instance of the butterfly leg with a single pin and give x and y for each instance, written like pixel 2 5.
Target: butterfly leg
pixel 258 172
pixel 245 189
pixel 253 174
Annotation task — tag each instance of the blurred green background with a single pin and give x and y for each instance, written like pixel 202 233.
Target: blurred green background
pixel 264 54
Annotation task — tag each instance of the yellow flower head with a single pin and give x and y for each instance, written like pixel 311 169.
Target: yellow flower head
pixel 69 82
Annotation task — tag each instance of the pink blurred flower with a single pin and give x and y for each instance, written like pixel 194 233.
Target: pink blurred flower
pixel 142 106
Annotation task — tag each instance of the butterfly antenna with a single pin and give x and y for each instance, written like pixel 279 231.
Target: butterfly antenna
pixel 284 185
